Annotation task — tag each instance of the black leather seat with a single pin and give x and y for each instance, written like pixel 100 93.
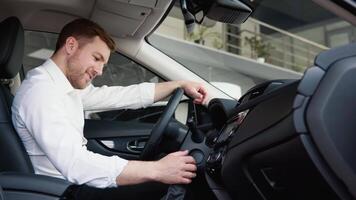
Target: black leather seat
pixel 17 178
pixel 13 156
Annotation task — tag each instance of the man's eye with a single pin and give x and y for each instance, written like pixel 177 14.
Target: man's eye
pixel 96 59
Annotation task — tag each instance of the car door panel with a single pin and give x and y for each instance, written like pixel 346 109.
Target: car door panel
pixel 124 139
pixel 145 115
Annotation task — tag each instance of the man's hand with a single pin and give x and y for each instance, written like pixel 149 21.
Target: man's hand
pixel 194 89
pixel 175 168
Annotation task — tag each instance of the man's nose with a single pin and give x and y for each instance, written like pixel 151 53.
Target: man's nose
pixel 98 70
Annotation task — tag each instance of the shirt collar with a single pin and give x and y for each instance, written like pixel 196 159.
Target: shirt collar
pixel 57 76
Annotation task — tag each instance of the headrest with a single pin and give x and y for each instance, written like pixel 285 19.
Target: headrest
pixel 11 47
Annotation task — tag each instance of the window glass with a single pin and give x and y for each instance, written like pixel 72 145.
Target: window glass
pixel 120 70
pixel 279 41
pixel 123 71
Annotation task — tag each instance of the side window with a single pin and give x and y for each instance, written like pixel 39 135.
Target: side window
pixel 39 46
pixel 120 70
pixel 123 71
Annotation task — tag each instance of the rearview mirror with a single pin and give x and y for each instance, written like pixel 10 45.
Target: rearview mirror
pixel 229 11
pixel 226 11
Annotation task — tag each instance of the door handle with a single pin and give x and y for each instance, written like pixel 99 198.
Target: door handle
pixel 137 145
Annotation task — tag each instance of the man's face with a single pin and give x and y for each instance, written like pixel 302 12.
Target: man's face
pixel 87 62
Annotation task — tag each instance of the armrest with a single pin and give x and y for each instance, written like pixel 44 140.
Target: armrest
pixel 33 183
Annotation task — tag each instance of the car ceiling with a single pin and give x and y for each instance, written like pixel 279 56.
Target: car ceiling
pixel 121 18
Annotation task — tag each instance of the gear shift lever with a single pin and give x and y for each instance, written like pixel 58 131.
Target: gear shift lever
pixel 197 135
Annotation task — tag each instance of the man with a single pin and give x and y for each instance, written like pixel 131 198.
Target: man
pixel 48 114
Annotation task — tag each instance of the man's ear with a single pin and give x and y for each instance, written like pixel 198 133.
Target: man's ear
pixel 71 45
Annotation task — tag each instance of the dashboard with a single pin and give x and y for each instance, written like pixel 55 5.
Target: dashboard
pixel 259 154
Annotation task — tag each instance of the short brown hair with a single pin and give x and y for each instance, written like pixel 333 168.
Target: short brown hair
pixel 84 28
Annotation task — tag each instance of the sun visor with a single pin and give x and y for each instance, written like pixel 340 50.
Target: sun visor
pixel 129 14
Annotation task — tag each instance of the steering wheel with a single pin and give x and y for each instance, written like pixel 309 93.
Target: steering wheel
pixel 155 139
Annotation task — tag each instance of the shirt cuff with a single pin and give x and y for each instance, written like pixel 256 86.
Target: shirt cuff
pixel 120 165
pixel 147 91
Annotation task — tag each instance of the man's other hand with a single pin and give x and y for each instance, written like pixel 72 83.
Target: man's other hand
pixel 175 168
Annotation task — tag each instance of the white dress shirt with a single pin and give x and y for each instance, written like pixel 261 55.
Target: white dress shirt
pixel 48 114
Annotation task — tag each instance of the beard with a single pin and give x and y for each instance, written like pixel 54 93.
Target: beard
pixel 76 75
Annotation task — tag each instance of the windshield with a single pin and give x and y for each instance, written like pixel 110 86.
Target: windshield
pixel 279 41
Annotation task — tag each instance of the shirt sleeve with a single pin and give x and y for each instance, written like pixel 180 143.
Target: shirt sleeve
pixel 114 97
pixel 62 143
